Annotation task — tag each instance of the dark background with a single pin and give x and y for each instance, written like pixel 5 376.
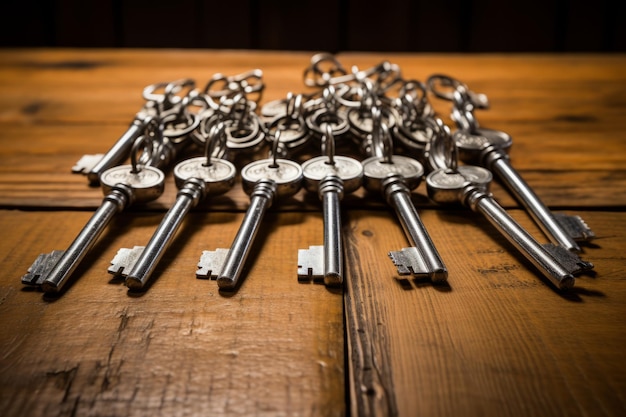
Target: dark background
pixel 321 25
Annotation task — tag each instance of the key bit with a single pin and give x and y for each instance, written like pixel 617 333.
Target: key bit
pixel 409 261
pixel 86 163
pixel 124 261
pixel 575 226
pixel 311 263
pixel 38 271
pixel 568 259
pixel 211 263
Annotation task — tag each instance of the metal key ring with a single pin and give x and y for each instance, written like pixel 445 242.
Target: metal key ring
pixel 168 98
pixel 234 84
pixel 139 145
pixel 328 144
pixel 216 136
pixel 436 82
pixel 441 151
pixel 178 135
pixel 314 76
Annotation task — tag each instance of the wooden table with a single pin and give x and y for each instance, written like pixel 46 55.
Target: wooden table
pixel 496 341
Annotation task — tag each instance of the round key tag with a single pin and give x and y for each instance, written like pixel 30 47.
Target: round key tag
pixel 147 183
pixel 219 176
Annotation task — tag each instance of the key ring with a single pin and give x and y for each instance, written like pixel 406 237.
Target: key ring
pixel 315 76
pixel 250 82
pixel 169 98
pixel 139 145
pixel 216 136
pixel 441 151
pixel 328 144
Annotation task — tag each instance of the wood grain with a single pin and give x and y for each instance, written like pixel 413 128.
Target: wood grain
pixel 275 346
pixel 497 340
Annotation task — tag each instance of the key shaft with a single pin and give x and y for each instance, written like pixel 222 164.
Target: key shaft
pixel 113 203
pixel 398 196
pixel 331 190
pixel 550 267
pixel 187 198
pixel 528 198
pixel 261 199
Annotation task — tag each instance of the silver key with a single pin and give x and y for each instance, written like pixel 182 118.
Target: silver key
pixel 263 180
pixel 489 148
pixel 122 186
pixel 395 176
pixel 94 165
pixel 330 177
pixel 196 180
pixel 469 185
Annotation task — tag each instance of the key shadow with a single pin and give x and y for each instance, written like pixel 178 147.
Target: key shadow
pixel 413 283
pixel 477 221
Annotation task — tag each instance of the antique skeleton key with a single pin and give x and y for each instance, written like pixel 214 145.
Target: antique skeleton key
pixel 469 185
pixel 122 185
pixel 489 148
pixel 395 176
pixel 330 177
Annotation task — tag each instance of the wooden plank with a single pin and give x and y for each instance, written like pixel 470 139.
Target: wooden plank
pixel 497 340
pixel 275 346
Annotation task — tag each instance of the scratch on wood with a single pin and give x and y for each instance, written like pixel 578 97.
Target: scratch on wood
pixel 63 380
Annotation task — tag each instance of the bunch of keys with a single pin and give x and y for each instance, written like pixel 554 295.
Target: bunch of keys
pixel 122 185
pixel 489 148
pixel 196 178
pixel 450 183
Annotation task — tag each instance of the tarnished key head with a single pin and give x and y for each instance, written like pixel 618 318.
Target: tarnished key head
pixel 286 174
pixel 218 175
pixel 376 170
pixel 472 144
pixel 147 183
pixel 349 170
pixel 447 186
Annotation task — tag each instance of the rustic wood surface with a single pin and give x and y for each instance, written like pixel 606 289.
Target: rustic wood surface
pixel 496 341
